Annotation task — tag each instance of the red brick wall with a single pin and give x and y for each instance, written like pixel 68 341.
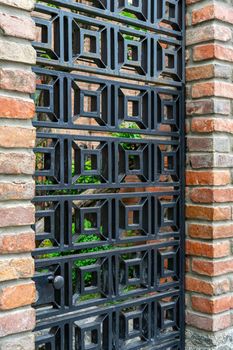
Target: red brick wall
pixel 209 195
pixel 17 136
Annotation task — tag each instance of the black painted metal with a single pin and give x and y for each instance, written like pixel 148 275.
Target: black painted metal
pixel 109 178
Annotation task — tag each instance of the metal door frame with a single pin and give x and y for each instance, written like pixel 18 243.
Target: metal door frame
pixel 59 326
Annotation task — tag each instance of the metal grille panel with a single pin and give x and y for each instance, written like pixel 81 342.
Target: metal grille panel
pixel 109 175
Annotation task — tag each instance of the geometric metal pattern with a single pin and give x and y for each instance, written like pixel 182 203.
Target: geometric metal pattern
pixel 152 162
pixel 126 326
pixel 65 35
pixel 109 175
pixel 111 103
pixel 116 275
pixel 112 216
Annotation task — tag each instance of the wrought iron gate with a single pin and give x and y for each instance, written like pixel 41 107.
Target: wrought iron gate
pixel 109 177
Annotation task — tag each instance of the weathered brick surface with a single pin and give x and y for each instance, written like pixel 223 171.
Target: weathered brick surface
pixel 209 144
pixel 212 267
pixel 17 165
pixel 208 106
pixel 208 32
pixel 15 108
pixel 17 321
pixel 26 5
pixel 209 250
pixel 209 213
pixel 200 161
pixel 17 80
pixel 217 11
pixel 19 242
pixel 209 193
pixel 213 305
pixel 15 268
pixel 17 189
pixel 207 231
pixel 208 322
pixel 218 287
pixel 14 296
pixel 202 72
pixel 19 342
pixel 208 71
pixel 17 137
pixel 20 27
pixel 17 52
pixel 212 51
pixel 215 177
pixel 209 125
pixel 194 144
pixel 17 215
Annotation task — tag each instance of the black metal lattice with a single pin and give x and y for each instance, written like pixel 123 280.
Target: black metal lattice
pixel 109 174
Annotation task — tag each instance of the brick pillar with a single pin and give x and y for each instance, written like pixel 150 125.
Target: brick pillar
pixel 209 281
pixel 17 136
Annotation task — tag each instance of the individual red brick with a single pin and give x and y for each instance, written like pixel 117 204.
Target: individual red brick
pixel 198 161
pixel 213 11
pixel 16 163
pixel 17 80
pixel 208 71
pixel 201 195
pixel 17 26
pixel 209 250
pixel 200 72
pixel 200 144
pixel 212 51
pixel 17 242
pixel 215 177
pixel 207 33
pixel 212 195
pixel 17 295
pixel 203 14
pixel 17 215
pixel 199 107
pixel 17 137
pixel 15 108
pixel 202 125
pixel 210 106
pixel 17 52
pixel 212 267
pixel 17 321
pixel 213 305
pixel 203 89
pixel 208 213
pixel 17 189
pixel 210 231
pixel 208 323
pixel 216 88
pixel 15 268
pixel 217 287
pixel 209 125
